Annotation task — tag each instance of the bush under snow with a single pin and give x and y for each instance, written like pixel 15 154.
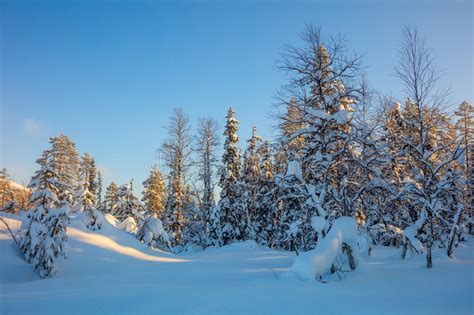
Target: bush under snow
pixel 128 225
pixel 153 234
pixel 319 261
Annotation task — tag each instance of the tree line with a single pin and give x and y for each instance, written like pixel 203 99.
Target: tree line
pixel 402 168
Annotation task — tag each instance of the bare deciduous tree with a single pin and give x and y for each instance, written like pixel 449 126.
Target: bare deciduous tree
pixel 177 154
pixel 206 143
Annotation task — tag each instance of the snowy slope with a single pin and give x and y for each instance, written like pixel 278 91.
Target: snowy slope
pixel 110 272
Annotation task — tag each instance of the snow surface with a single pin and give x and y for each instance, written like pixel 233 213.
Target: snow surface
pixel 110 272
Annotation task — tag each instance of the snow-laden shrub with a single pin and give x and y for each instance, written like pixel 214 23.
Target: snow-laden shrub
pixel 337 252
pixel 153 234
pixel 92 219
pixel 386 235
pixel 128 225
pixel 411 242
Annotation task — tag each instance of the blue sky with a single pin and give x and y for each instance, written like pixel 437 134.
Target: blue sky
pixel 108 74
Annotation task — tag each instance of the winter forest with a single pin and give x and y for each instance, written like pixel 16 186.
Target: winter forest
pixel 354 179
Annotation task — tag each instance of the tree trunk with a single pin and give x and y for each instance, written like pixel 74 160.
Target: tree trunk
pixel 348 250
pixel 429 256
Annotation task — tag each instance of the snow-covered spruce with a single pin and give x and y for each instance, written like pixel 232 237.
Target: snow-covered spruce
pixel 295 230
pixel 43 234
pixel 84 204
pixel 127 208
pixel 341 241
pixel 154 194
pixel 110 198
pixel 233 221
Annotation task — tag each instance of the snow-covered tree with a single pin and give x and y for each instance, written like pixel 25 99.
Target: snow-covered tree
pixel 7 198
pixel 65 163
pixel 152 233
pixel 127 206
pixel 231 212
pixel 177 152
pixel 100 202
pixel 266 205
pixel 85 205
pixel 154 194
pixel 206 144
pixel 323 90
pixel 43 234
pixel 465 113
pixel 429 146
pixel 295 231
pixel 194 227
pixel 4 187
pixel 110 198
pixel 214 230
pixel 250 179
pixel 85 197
pixel 88 172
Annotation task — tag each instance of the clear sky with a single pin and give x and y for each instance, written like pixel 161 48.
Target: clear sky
pixel 108 74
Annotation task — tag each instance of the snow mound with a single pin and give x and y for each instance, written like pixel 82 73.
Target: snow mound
pixel 318 262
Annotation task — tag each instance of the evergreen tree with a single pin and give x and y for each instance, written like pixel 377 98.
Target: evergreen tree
pixel 194 227
pixel 65 163
pixel 110 198
pixel 154 196
pixel 250 184
pixel 295 226
pixel 127 205
pixel 43 234
pixel 214 230
pixel 88 172
pixel 5 190
pixel 291 122
pixel 85 205
pixel 100 203
pixel 266 199
pixel 231 212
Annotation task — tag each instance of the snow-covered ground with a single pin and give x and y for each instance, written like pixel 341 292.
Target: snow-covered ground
pixel 110 272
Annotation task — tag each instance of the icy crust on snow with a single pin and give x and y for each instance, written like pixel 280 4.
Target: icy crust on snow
pixel 317 262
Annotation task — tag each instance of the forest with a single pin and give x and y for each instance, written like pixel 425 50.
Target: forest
pixel 351 169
